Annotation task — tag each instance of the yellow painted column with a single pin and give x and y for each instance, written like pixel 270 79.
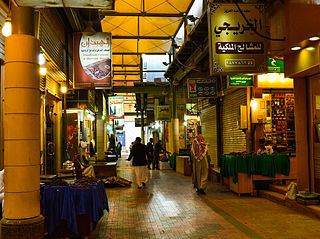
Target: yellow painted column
pixel 22 130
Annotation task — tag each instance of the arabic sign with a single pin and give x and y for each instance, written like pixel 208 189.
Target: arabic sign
pixel 202 88
pixel 275 65
pixel 235 45
pixel 163 112
pixel 116 107
pixel 240 80
pixel 92 60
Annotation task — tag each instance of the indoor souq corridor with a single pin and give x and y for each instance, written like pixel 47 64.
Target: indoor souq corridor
pixel 215 104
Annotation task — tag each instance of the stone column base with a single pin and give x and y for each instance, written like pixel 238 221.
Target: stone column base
pixel 23 229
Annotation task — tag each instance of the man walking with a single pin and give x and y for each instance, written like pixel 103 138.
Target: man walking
pixel 139 155
pixel 150 152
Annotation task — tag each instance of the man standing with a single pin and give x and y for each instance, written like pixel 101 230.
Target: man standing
pixel 157 150
pixel 139 155
pixel 150 152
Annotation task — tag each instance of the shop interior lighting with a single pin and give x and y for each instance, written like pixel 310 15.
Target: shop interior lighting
pixel 295 48
pixel 253 104
pixel 185 123
pixel 157 125
pixel 43 71
pixel 64 89
pixel 110 122
pixel 314 38
pixel 103 117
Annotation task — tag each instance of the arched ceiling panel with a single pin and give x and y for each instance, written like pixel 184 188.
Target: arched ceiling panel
pixel 120 25
pixel 154 46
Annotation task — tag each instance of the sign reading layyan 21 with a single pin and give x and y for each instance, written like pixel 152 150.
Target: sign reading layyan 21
pixel 202 88
pixel 235 41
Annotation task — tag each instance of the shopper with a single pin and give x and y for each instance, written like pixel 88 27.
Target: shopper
pixel 119 148
pixel 139 155
pixel 157 150
pixel 150 152
pixel 264 149
pixel 200 163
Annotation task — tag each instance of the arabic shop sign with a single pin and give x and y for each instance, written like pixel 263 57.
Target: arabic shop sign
pixel 275 65
pixel 163 113
pixel 235 45
pixel 92 60
pixel 240 80
pixel 116 107
pixel 202 88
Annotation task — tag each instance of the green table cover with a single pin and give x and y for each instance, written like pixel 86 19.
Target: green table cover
pixel 266 165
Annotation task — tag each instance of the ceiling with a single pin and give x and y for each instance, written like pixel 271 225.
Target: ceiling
pixel 141 27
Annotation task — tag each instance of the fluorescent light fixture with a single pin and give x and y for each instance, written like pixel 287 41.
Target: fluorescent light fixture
pixel 295 48
pixel 314 38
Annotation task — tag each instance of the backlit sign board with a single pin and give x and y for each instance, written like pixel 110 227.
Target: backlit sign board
pixel 241 80
pixel 202 88
pixel 116 107
pixel 235 44
pixel 92 60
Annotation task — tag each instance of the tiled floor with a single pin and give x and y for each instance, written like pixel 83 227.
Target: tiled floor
pixel 169 208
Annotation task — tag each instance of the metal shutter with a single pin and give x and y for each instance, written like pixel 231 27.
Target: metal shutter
pixel 209 130
pixel 234 139
pixel 3 16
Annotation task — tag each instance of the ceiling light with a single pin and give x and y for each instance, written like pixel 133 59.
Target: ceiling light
pixel 314 38
pixel 295 48
pixel 310 48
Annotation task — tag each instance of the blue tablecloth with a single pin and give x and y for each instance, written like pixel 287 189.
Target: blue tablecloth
pixel 66 203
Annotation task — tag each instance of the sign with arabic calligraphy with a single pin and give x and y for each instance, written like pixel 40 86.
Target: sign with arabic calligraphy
pixel 116 107
pixel 240 80
pixel 163 112
pixel 92 60
pixel 235 44
pixel 202 88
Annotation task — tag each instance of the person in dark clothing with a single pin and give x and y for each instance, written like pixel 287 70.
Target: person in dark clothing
pixel 157 150
pixel 150 152
pixel 139 155
pixel 119 148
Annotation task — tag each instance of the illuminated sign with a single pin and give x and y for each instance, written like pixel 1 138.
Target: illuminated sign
pixel 116 107
pixel 202 88
pixel 240 80
pixel 92 60
pixel 235 44
pixel 275 65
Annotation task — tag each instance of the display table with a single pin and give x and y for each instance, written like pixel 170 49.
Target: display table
pixel 67 205
pixel 242 171
pixel 104 170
